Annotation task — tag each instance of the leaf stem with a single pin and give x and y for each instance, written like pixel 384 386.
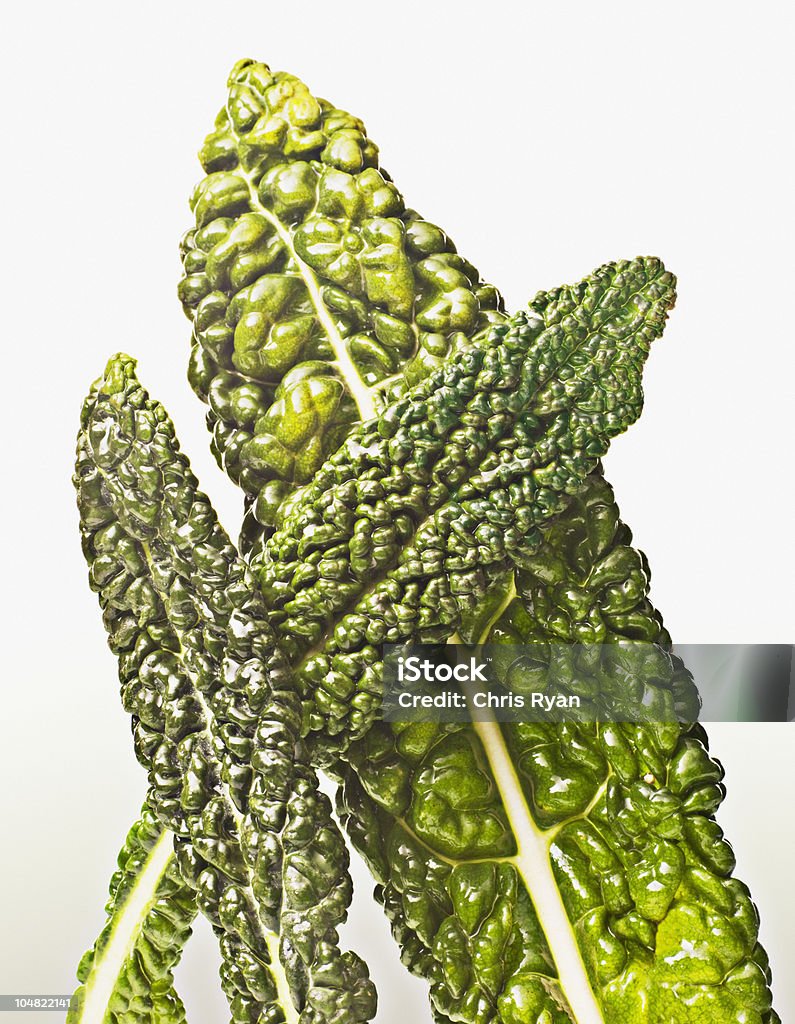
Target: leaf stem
pixel 534 865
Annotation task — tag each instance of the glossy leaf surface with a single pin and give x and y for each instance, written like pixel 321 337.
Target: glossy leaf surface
pixel 478 835
pixel 532 873
pixel 215 722
pixel 311 287
pixel 406 528
pixel 126 978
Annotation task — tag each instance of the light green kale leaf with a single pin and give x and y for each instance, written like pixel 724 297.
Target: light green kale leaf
pixel 127 975
pixel 565 873
pixel 311 287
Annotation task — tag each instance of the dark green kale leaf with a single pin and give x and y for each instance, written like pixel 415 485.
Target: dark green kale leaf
pixel 215 720
pixel 404 531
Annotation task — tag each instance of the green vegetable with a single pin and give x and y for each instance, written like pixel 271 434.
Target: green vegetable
pixel 300 407
pixel 128 973
pixel 564 872
pixel 215 722
pixel 421 509
pixel 153 542
pixel 316 299
pixel 310 286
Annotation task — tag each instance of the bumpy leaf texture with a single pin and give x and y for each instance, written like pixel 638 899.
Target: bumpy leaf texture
pixel 288 367
pixel 587 585
pixel 314 294
pixel 573 872
pixel 310 286
pixel 214 722
pixel 421 510
pixel 127 975
pixel 180 609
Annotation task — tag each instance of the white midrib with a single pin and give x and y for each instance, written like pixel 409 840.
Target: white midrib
pixel 125 932
pixel 105 972
pixel 363 396
pixel 532 860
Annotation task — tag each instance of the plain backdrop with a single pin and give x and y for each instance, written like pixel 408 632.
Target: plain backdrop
pixel 546 139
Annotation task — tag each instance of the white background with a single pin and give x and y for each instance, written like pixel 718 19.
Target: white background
pixel 546 138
